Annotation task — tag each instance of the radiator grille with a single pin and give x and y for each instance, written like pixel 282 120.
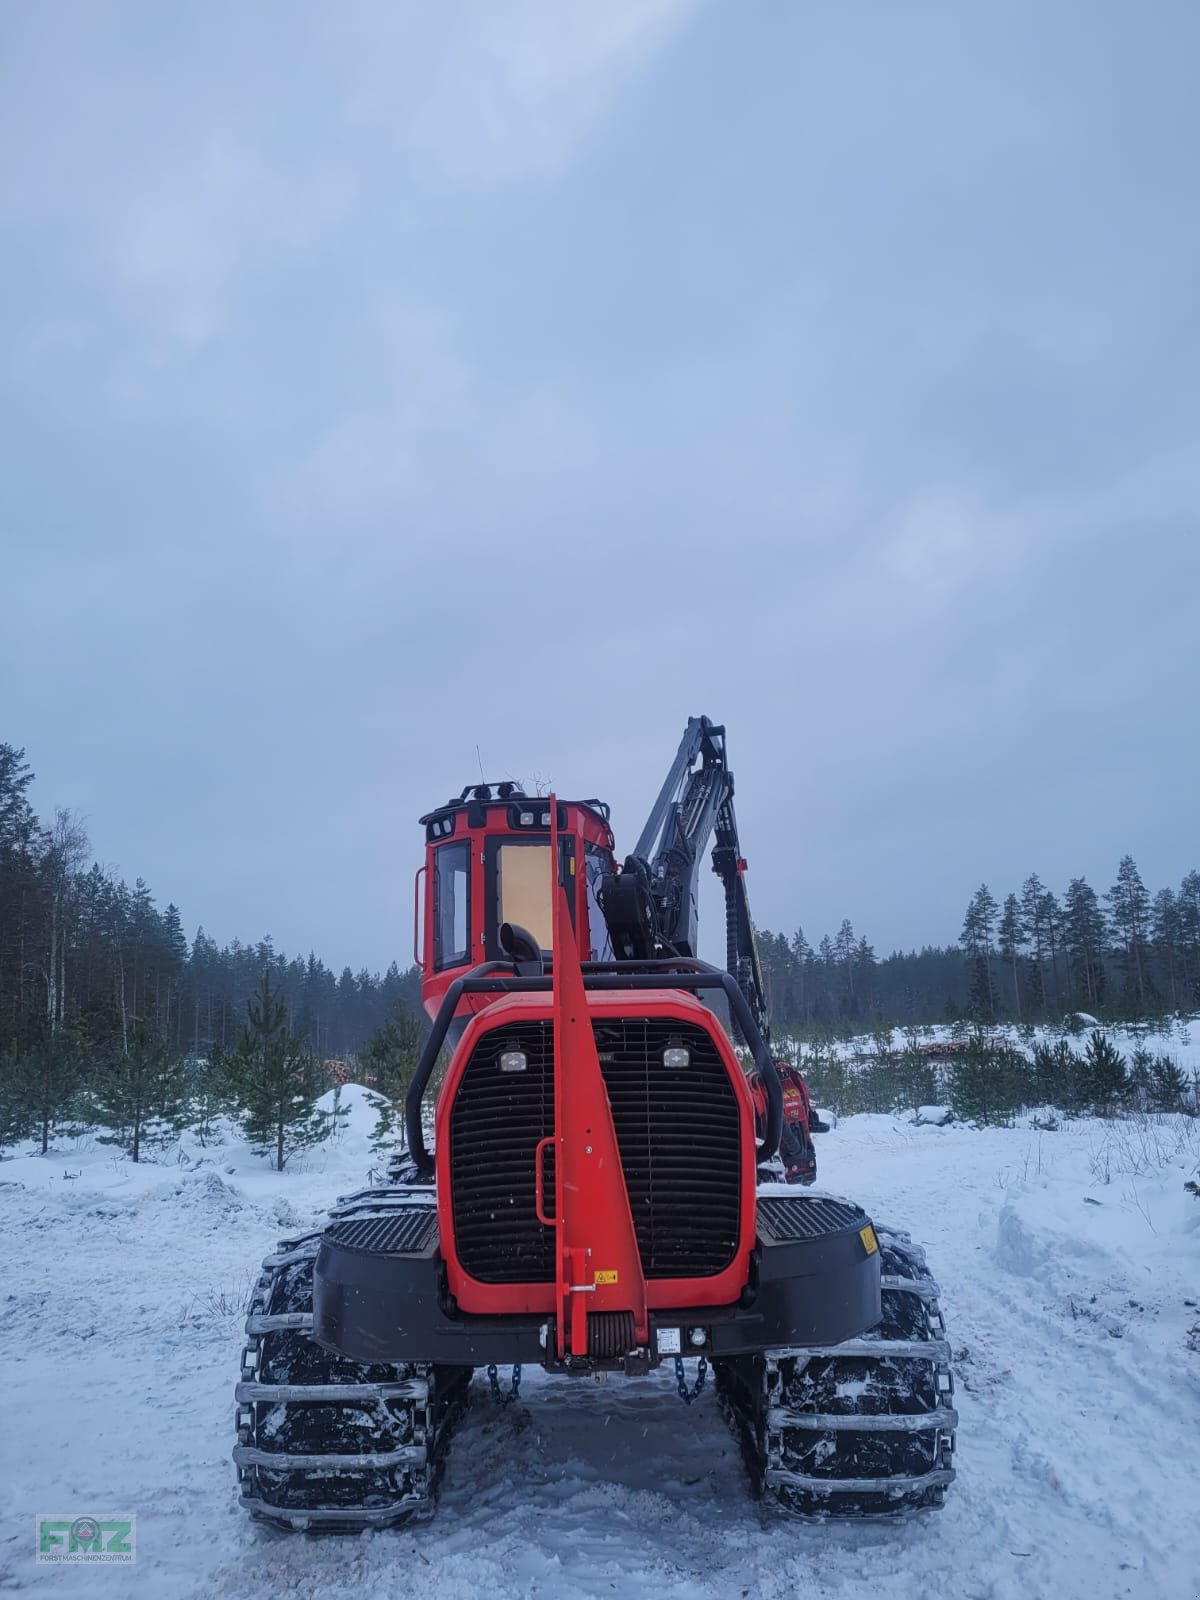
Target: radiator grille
pixel 677 1131
pixel 677 1128
pixel 497 1120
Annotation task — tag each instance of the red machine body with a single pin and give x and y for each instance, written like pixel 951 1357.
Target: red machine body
pixel 498 861
pixel 473 1295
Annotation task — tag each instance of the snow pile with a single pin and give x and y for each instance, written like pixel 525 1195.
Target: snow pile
pixel 933 1116
pixel 360 1108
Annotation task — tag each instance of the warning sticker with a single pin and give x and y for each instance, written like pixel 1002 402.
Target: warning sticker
pixel 607 1277
pixel 870 1242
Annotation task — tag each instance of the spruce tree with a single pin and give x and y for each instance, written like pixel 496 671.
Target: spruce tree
pixel 275 1082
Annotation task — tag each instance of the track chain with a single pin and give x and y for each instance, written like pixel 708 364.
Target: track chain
pixel 860 1429
pixel 323 1443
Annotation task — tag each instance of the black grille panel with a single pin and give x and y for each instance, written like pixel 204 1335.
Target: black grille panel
pixel 677 1130
pixel 497 1120
pixel 406 1231
pixel 806 1217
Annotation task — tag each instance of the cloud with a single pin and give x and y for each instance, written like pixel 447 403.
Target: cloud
pixel 515 95
pixel 398 376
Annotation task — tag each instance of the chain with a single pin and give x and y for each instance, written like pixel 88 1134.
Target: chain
pixel 514 1392
pixel 685 1394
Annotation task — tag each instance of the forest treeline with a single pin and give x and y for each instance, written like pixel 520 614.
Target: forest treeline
pixel 81 950
pixel 1121 956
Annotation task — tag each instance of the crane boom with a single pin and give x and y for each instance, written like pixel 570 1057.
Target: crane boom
pixel 651 905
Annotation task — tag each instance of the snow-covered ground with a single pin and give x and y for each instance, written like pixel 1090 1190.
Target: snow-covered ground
pixel 1178 1038
pixel 1070 1297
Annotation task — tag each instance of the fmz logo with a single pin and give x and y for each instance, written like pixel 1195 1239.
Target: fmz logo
pixel 62 1538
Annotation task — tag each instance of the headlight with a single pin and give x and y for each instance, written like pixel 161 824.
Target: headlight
pixel 677 1055
pixel 513 1061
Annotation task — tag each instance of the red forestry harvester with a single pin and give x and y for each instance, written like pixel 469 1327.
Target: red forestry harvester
pixel 609 1188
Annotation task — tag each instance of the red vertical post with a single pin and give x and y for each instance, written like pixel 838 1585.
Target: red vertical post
pixel 598 1264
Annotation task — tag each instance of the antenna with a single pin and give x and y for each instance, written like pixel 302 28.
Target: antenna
pixel 479 758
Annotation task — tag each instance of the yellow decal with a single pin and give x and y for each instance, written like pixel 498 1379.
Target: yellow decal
pixel 606 1277
pixel 870 1242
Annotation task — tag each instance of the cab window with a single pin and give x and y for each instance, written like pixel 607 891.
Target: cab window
pixel 525 889
pixel 595 865
pixel 451 904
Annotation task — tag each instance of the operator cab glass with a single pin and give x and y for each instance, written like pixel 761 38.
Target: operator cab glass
pixel 452 904
pixel 519 885
pixel 524 888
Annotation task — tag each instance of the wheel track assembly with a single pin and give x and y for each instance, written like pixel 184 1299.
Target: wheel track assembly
pixel 324 1443
pixel 860 1429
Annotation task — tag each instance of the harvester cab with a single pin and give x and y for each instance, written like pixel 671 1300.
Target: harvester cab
pixel 485 892
pixel 592 1198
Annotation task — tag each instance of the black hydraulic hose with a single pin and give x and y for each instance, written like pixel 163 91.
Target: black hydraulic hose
pixel 601 975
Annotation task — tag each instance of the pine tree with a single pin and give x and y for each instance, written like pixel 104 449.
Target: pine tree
pixel 275 1082
pixel 1051 920
pixel 1129 915
pixel 389 1061
pixel 1188 903
pixel 1058 1074
pixel 976 940
pixel 1010 939
pixel 22 904
pixel 390 1057
pixel 208 1097
pixel 1105 1082
pixel 803 956
pixel 1083 927
pixel 18 823
pixel 988 1081
pixel 1033 913
pixel 174 962
pixel 1165 934
pixel 915 1074
pixel 51 1073
pixel 140 1096
pixel 14 1110
pixel 845 948
pixel 1141 1079
pixel 1168 1086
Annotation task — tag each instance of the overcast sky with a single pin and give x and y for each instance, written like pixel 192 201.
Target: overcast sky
pixel 380 381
